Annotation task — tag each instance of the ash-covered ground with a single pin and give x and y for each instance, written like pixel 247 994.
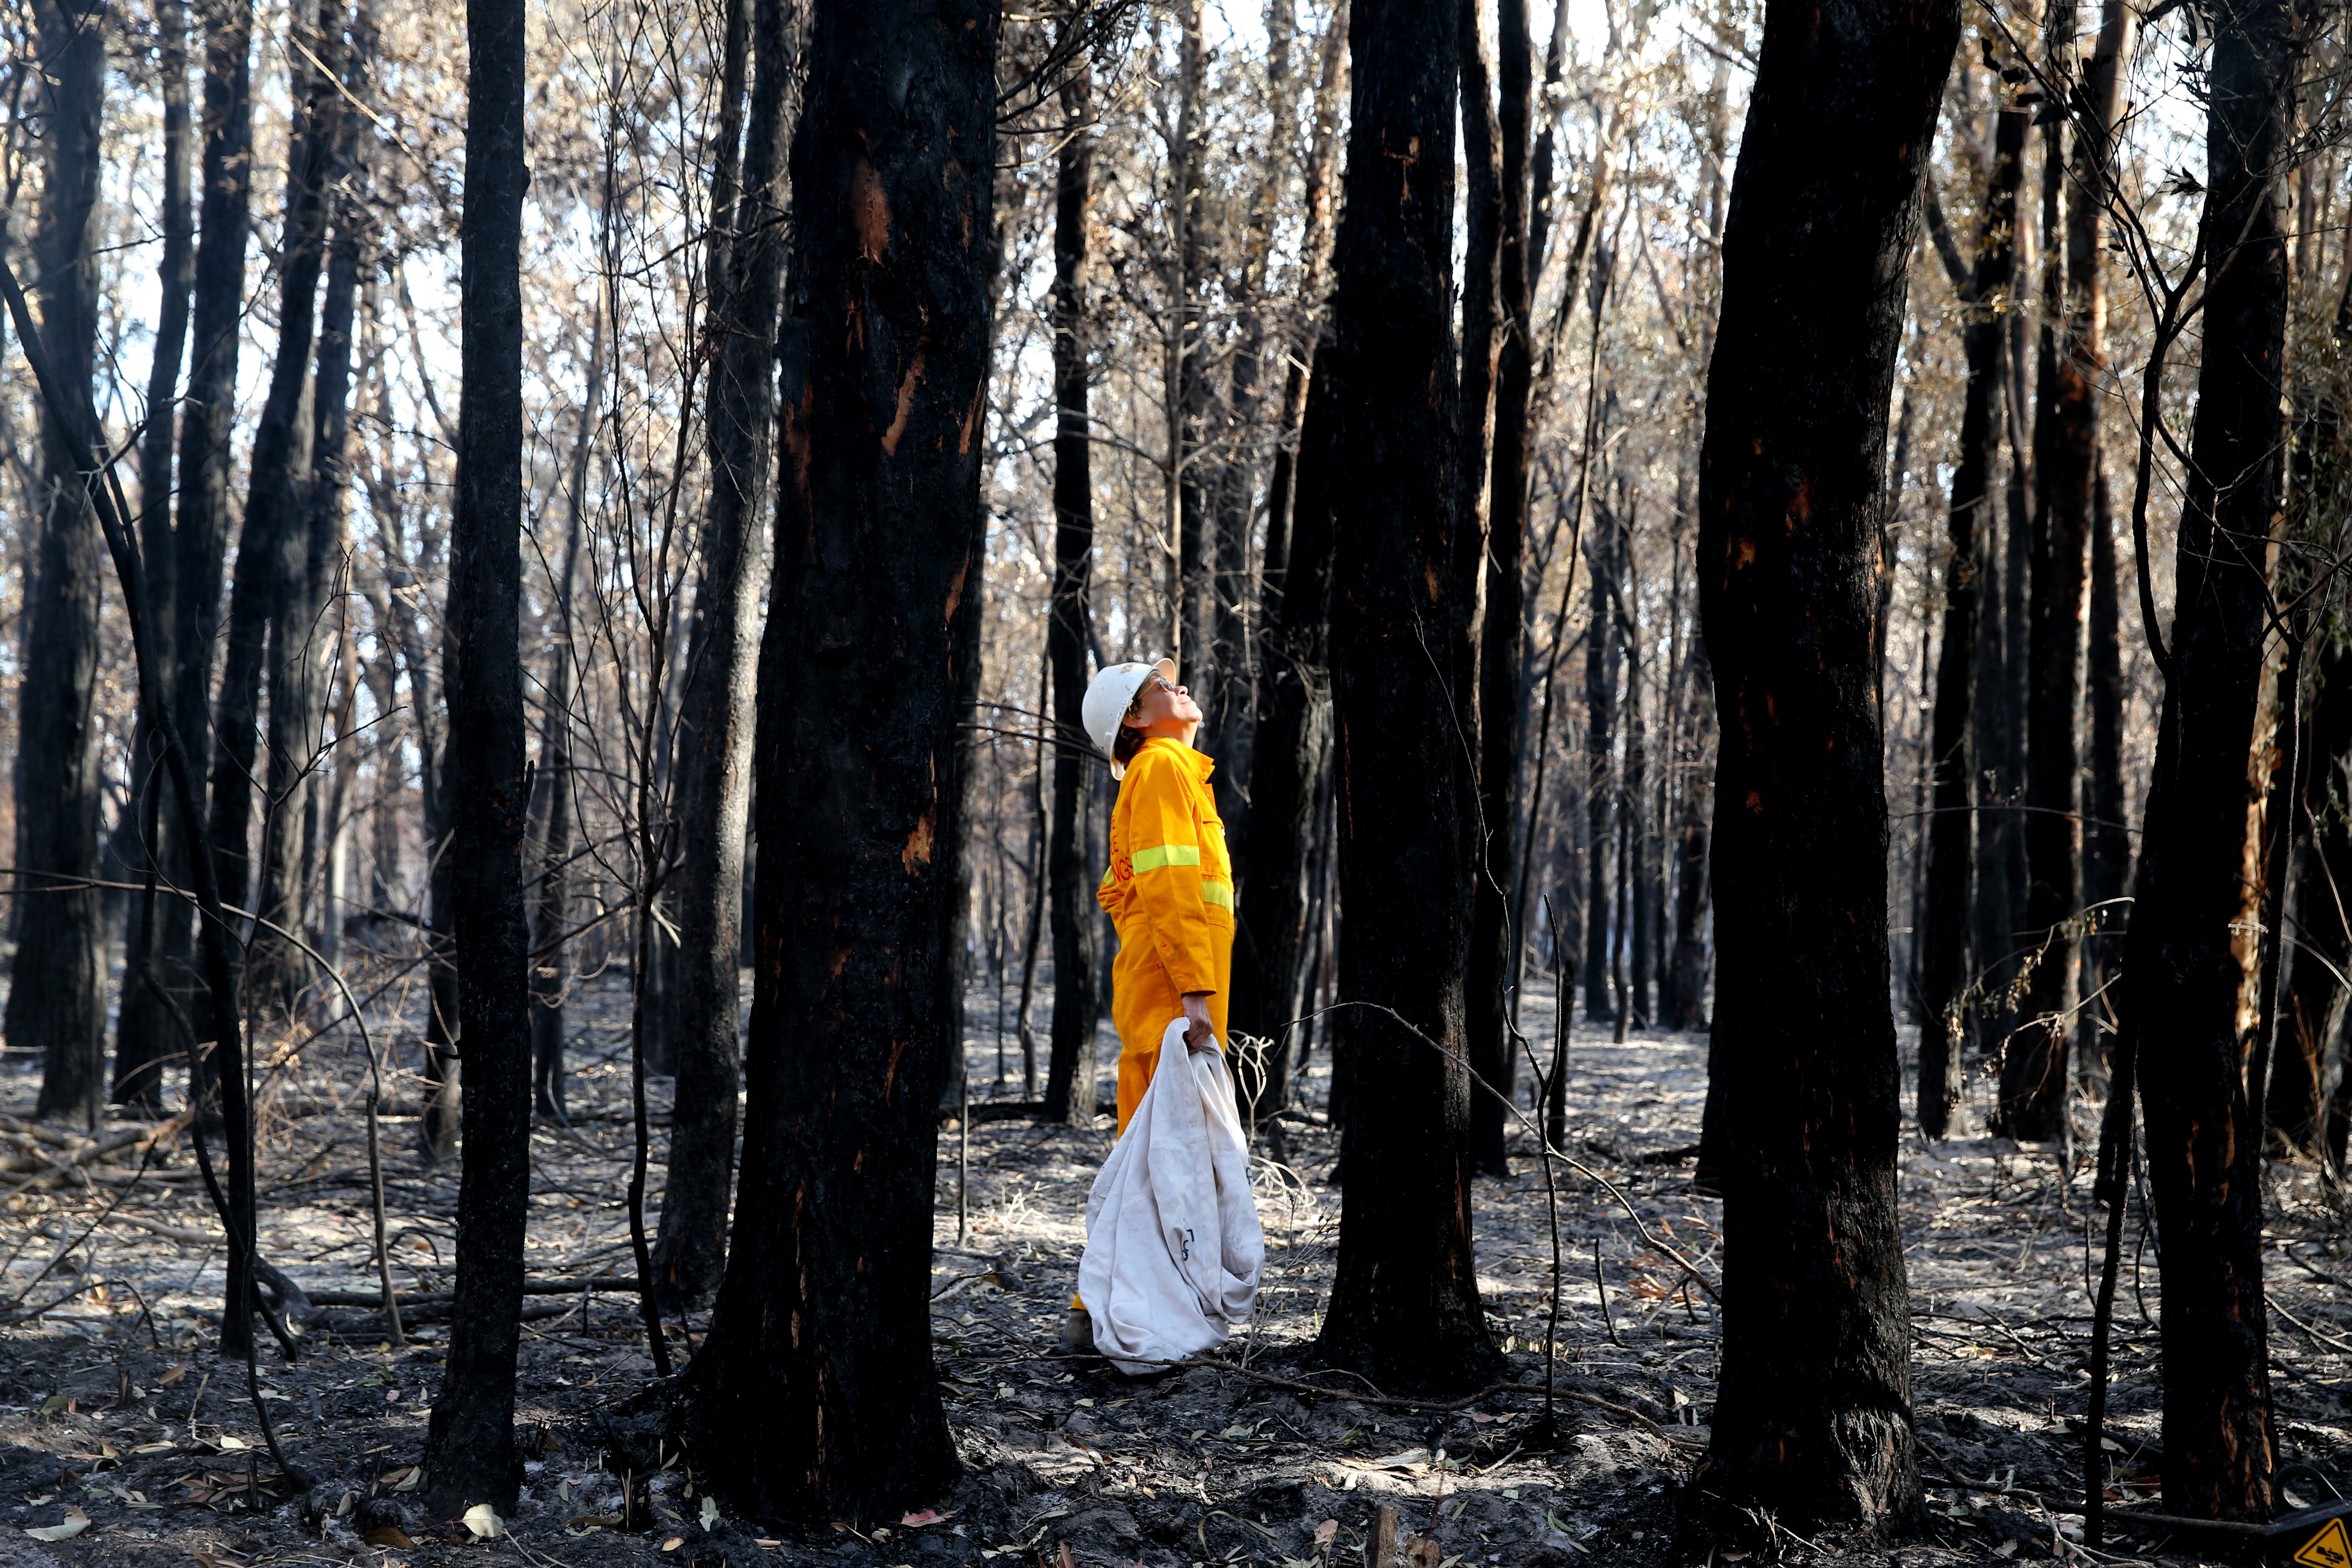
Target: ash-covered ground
pixel 116 1410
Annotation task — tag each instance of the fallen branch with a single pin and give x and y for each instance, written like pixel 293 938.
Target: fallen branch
pixel 142 1137
pixel 616 1284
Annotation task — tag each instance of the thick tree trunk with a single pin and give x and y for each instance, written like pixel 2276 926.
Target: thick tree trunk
pixel 57 997
pixel 143 1032
pixel 1501 638
pixel 814 1396
pixel 2180 976
pixel 1071 1071
pixel 1404 1305
pixel 1945 946
pixel 469 1454
pixel 1812 1417
pixel 714 802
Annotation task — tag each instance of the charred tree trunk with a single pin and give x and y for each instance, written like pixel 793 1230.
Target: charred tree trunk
pixel 2106 833
pixel 1405 1304
pixel 550 971
pixel 2307 1065
pixel 1813 1418
pixel 1638 896
pixel 1289 766
pixel 814 1397
pixel 57 995
pixel 714 801
pixel 1071 1071
pixel 206 425
pixel 1944 957
pixel 1314 252
pixel 1294 741
pixel 2106 840
pixel 469 1453
pixel 1601 782
pixel 2036 1066
pixel 302 634
pixel 2180 977
pixel 1691 889
pixel 1188 390
pixel 278 493
pixel 143 1039
pixel 1503 635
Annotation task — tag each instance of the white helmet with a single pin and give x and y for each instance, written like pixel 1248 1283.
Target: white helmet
pixel 1108 696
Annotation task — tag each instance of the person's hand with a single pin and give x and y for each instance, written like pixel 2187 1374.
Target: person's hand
pixel 1200 1036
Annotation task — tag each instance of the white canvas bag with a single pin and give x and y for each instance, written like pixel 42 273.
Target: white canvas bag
pixel 1173 1247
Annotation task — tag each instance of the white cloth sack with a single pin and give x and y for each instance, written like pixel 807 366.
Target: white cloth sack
pixel 1173 1247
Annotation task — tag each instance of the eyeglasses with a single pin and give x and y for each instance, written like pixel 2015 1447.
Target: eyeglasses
pixel 1135 704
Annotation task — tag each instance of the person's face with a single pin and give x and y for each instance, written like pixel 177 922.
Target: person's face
pixel 1163 707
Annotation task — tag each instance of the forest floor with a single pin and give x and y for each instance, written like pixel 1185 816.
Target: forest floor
pixel 118 1420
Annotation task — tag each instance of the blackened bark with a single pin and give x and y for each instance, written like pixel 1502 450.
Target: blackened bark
pixel 437 1128
pixel 1812 1417
pixel 1601 782
pixel 1071 1071
pixel 2180 977
pixel 1952 828
pixel 1691 900
pixel 1231 730
pixel 302 633
pixel 1637 896
pixel 469 1453
pixel 1290 753
pixel 2106 841
pixel 57 1000
pixel 277 495
pixel 2107 835
pixel 142 1038
pixel 1188 392
pixel 1294 741
pixel 206 425
pixel 2037 1062
pixel 552 786
pixel 715 714
pixel 1478 339
pixel 1313 251
pixel 551 972
pixel 1502 638
pixel 2307 1066
pixel 1405 1304
pixel 814 1396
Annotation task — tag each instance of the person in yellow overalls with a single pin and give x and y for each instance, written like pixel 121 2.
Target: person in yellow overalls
pixel 1170 887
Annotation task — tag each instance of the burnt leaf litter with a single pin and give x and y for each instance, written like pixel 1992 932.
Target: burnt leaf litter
pixel 125 1440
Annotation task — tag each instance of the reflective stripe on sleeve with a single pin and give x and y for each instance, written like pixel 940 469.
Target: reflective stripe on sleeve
pixel 1160 854
pixel 1218 893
